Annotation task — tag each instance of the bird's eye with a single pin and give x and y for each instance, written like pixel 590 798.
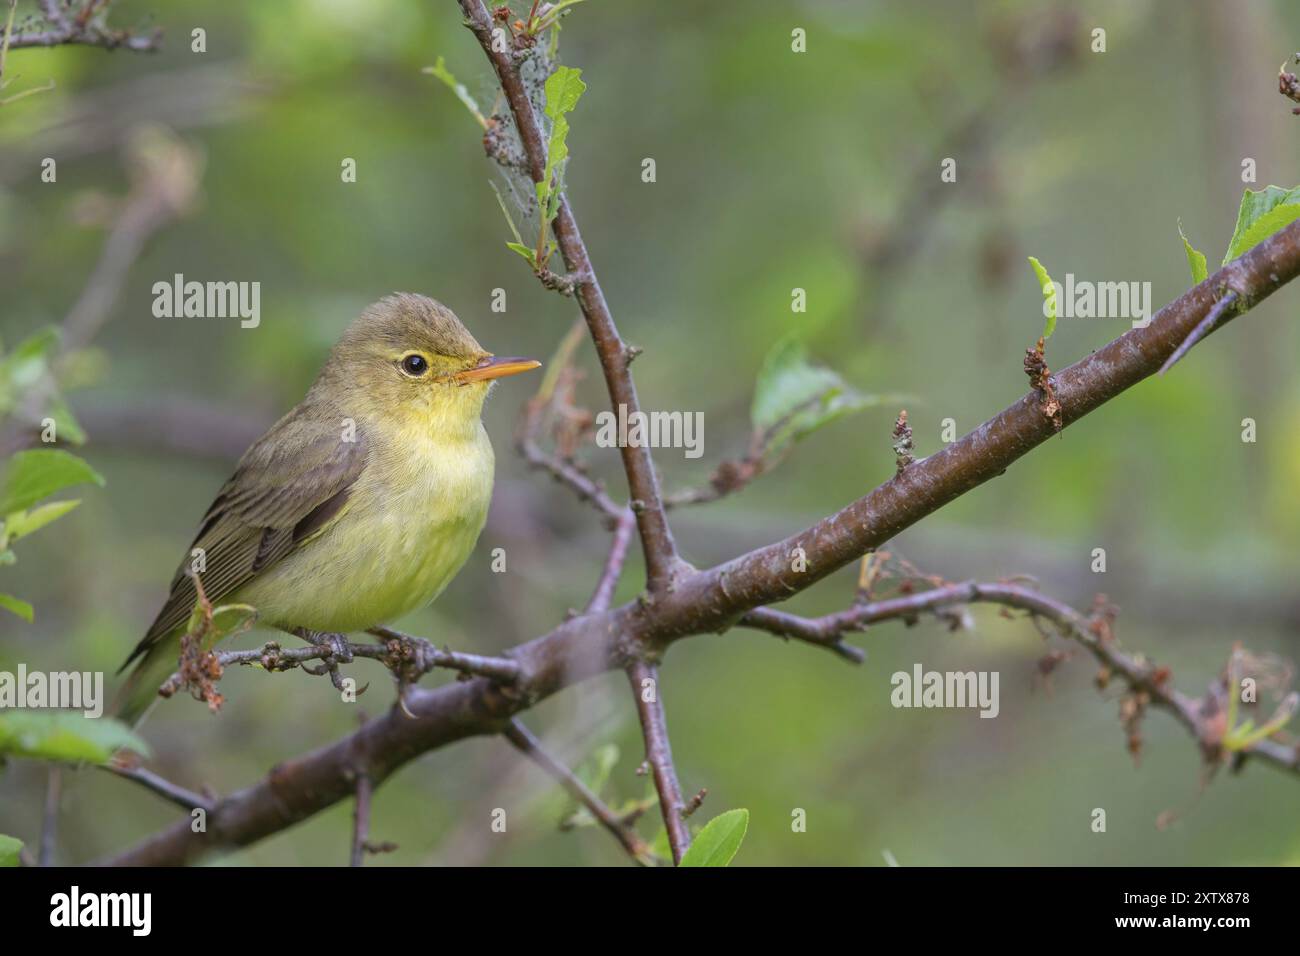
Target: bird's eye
pixel 415 365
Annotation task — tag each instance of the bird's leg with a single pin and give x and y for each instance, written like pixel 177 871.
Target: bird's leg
pixel 340 651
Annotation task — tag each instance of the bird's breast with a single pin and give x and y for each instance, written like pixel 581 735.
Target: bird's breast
pixel 411 521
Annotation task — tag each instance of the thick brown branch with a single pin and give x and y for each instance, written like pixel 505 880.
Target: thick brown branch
pixel 769 574
pixel 711 600
pixel 659 754
pixel 656 538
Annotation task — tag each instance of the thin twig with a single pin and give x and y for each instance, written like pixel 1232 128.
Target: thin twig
pixel 50 828
pixel 410 655
pixel 586 488
pixel 361 819
pixel 186 799
pixel 656 538
pixel 659 753
pixel 501 669
pixel 526 743
pixel 604 593
pixel 1203 328
pixel 84 30
pixel 819 632
pixel 1072 624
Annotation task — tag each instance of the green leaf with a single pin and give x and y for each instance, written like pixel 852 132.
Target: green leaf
pixel 718 842
pixel 18 606
pixel 1049 296
pixel 1262 213
pixel 793 397
pixel 32 475
pixel 1195 259
pixel 564 88
pixel 9 850
pixel 22 523
pixel 439 69
pixel 64 735
pixel 25 364
pixel 526 251
pixel 66 426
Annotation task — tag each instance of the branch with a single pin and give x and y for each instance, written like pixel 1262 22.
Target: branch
pixel 1203 328
pixel 659 754
pixel 406 656
pixel 604 593
pixel 656 538
pixel 186 799
pixel 619 826
pixel 767 575
pixel 361 820
pixel 824 632
pixel 711 600
pixel 565 471
pixel 84 28
pixel 427 657
pixel 1090 631
pixel 50 827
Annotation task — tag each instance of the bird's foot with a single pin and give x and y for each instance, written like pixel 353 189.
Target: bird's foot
pixel 340 649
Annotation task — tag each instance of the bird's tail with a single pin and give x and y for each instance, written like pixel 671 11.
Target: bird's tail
pixel 139 691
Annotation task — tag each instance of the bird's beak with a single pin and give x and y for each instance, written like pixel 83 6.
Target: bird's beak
pixel 490 366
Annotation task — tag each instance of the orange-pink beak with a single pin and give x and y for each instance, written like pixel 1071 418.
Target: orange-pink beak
pixel 490 367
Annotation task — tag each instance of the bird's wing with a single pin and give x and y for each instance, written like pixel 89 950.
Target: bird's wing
pixel 289 485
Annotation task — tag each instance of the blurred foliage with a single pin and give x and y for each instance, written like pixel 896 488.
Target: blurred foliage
pixel 775 171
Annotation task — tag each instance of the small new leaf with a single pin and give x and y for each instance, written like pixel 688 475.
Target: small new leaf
pixel 793 397
pixel 1195 258
pixel 22 523
pixel 10 848
pixel 439 69
pixel 1049 297
pixel 718 842
pixel 17 606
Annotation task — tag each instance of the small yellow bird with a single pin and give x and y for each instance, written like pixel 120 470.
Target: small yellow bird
pixel 358 506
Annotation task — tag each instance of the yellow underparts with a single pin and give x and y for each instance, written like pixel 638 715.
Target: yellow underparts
pixel 411 520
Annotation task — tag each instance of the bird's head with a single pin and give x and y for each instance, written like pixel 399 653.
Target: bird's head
pixel 408 355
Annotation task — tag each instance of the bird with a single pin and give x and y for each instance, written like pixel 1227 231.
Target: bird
pixel 359 505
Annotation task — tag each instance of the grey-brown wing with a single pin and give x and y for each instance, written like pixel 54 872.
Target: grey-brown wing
pixel 291 483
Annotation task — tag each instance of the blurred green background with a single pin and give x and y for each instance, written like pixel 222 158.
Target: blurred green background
pixel 775 170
